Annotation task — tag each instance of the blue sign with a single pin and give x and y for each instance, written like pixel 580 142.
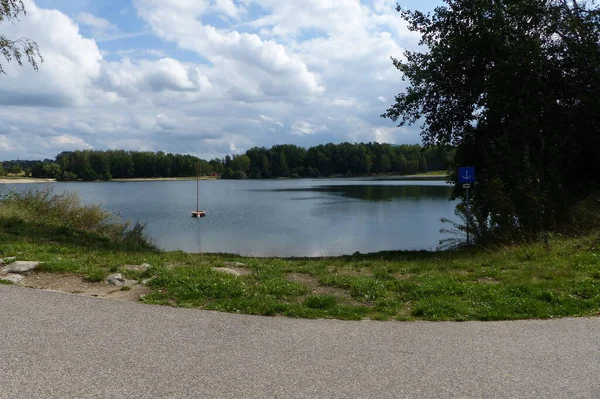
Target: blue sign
pixel 466 174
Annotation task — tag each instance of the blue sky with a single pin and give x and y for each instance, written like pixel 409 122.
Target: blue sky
pixel 206 77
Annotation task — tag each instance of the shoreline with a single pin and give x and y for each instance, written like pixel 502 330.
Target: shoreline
pixel 25 180
pixel 416 177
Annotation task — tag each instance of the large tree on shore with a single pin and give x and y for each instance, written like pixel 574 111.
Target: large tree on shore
pixel 514 86
pixel 19 48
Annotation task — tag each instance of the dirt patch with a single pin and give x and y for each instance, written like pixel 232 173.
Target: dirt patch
pixel 77 285
pixel 313 285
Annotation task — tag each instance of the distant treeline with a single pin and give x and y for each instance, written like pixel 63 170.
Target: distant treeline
pixel 278 161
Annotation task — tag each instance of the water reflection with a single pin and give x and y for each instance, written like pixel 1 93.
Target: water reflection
pixel 378 193
pixel 316 217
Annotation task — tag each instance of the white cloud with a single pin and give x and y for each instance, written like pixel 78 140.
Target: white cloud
pixel 228 8
pixel 130 77
pixel 165 123
pixel 270 120
pixel 99 25
pixel 302 128
pixel 69 142
pixel 303 72
pixel 257 69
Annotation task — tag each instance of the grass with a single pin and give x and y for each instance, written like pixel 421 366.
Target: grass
pixel 517 282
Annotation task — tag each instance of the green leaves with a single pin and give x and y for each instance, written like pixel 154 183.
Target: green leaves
pixel 512 86
pixel 19 48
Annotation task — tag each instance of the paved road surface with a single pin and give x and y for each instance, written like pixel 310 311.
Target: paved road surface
pixel 56 345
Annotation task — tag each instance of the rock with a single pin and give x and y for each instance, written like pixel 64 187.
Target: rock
pixel 115 279
pixel 8 260
pixel 234 264
pixel 118 280
pixel 147 281
pixel 14 278
pixel 21 267
pixel 226 271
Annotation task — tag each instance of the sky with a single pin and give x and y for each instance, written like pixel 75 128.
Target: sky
pixel 204 77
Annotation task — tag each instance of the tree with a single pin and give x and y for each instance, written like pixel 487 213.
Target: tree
pixel 15 169
pixel 19 48
pixel 228 174
pixel 52 170
pixel 384 163
pixel 511 85
pixel 240 163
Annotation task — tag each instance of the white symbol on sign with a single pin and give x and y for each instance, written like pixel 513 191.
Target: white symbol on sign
pixel 467 176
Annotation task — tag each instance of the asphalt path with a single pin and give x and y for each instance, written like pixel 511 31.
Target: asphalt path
pixel 55 345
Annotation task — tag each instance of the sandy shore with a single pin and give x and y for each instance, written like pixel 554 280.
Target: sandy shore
pixel 163 179
pixel 33 180
pixel 25 181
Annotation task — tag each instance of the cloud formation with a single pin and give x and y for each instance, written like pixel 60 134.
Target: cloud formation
pixel 213 77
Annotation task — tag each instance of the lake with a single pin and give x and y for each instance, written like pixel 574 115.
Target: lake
pixel 303 217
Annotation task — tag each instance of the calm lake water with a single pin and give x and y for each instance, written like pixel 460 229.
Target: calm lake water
pixel 278 217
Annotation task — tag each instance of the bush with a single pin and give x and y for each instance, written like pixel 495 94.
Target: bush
pixel 65 211
pixel 228 174
pixel 585 215
pixel 239 175
pixel 66 176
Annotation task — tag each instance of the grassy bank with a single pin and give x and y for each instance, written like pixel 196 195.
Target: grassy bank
pixel 518 282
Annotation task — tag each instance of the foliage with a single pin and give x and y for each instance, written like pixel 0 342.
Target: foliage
pixel 279 161
pixel 228 174
pixel 62 215
pixel 514 86
pixel 344 159
pixel 19 48
pixel 239 175
pixel 15 169
pixel 585 215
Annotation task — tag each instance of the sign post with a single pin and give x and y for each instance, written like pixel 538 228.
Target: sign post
pixel 466 175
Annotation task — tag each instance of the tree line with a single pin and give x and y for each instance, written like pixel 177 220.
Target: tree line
pixel 286 160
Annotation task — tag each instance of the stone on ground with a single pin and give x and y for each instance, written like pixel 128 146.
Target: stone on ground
pixel 118 280
pixel 115 279
pixel 20 267
pixel 234 264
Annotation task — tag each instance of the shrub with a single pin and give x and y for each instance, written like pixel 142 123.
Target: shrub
pixel 239 175
pixel 66 211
